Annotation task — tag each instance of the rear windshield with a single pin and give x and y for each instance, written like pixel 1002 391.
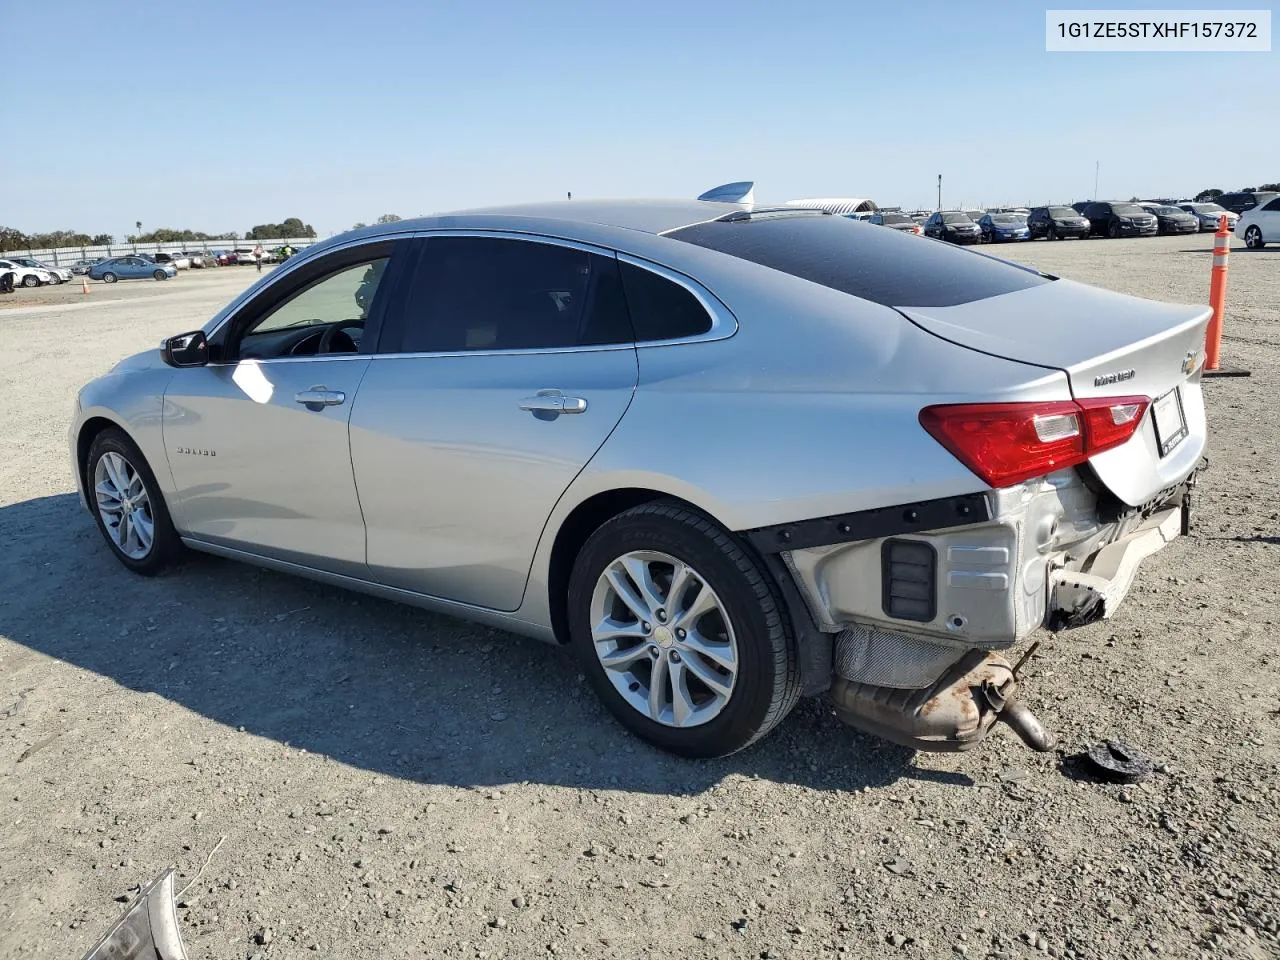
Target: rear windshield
pixel 889 267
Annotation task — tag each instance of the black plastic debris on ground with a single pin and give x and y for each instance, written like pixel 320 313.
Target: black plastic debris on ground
pixel 1115 761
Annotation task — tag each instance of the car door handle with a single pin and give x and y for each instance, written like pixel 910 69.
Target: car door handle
pixel 318 397
pixel 549 404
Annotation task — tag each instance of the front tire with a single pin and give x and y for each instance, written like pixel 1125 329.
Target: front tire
pixel 158 274
pixel 1253 239
pixel 1113 231
pixel 681 632
pixel 128 505
pixel 1051 233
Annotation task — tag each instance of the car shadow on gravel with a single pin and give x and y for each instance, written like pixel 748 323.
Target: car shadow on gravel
pixel 380 686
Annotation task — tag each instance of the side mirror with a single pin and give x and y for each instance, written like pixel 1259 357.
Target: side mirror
pixel 186 350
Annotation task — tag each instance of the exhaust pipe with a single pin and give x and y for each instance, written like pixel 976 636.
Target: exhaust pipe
pixel 956 712
pixel 1027 726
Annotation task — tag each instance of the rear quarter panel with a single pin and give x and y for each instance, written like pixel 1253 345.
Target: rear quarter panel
pixel 810 409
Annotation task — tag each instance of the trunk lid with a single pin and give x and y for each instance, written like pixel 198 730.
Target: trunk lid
pixel 1109 345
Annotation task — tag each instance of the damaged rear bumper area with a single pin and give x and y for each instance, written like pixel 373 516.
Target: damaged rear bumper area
pixel 923 599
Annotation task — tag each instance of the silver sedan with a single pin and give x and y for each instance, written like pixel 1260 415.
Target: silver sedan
pixel 731 454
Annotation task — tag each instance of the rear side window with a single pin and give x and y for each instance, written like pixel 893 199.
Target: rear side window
pixel 490 293
pixel 889 267
pixel 660 308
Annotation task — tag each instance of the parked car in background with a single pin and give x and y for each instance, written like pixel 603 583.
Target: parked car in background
pixel 897 221
pixel 132 267
pixel 81 267
pixel 1244 200
pixel 1114 219
pixel 1172 220
pixel 179 260
pixel 1079 206
pixel 59 274
pixel 245 255
pixel 1208 215
pixel 1003 227
pixel 225 258
pixel 974 215
pixel 952 225
pixel 1056 223
pixel 1261 225
pixel 24 276
pixel 934 421
pixel 195 258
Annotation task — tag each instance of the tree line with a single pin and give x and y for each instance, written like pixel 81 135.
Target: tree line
pixel 14 239
pixel 1213 193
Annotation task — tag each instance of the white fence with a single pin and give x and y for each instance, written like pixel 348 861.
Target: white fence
pixel 63 256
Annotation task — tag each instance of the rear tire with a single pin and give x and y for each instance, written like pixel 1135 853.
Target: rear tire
pixel 750 657
pixel 109 278
pixel 1253 239
pixel 115 464
pixel 31 280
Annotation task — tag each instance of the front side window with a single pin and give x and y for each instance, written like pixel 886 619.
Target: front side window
pixel 342 296
pixel 493 293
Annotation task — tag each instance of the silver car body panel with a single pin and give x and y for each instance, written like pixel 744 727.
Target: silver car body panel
pixel 803 403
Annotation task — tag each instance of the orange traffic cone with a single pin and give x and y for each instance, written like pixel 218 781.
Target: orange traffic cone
pixel 84 285
pixel 1218 301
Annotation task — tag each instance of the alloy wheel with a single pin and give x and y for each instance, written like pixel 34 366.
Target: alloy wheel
pixel 1251 237
pixel 664 639
pixel 123 505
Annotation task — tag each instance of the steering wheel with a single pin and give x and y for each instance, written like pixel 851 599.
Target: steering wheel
pixel 329 339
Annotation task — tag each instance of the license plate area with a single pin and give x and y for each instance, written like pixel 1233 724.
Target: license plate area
pixel 1170 421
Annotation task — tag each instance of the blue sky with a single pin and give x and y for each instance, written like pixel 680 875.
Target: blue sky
pixel 217 116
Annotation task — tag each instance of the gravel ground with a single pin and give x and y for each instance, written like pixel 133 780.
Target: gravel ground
pixel 392 783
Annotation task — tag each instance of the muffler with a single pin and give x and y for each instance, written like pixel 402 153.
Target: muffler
pixel 954 713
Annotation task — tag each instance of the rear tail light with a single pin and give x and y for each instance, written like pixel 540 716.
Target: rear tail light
pixel 1006 443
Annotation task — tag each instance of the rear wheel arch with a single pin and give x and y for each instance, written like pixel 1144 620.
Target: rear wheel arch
pixel 584 520
pixel 814 647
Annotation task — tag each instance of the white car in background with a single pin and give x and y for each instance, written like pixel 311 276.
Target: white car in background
pixel 59 274
pixel 24 276
pixel 1261 225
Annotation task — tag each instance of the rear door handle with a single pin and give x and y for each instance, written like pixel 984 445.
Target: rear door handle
pixel 318 397
pixel 549 404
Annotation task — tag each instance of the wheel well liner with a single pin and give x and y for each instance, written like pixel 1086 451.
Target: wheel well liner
pixel 84 440
pixel 581 522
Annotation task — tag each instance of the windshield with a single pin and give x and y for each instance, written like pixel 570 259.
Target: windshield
pixel 1166 211
pixel 1006 218
pixel 1207 208
pixel 955 218
pixel 895 218
pixel 1062 212
pixel 1128 210
pixel 885 266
